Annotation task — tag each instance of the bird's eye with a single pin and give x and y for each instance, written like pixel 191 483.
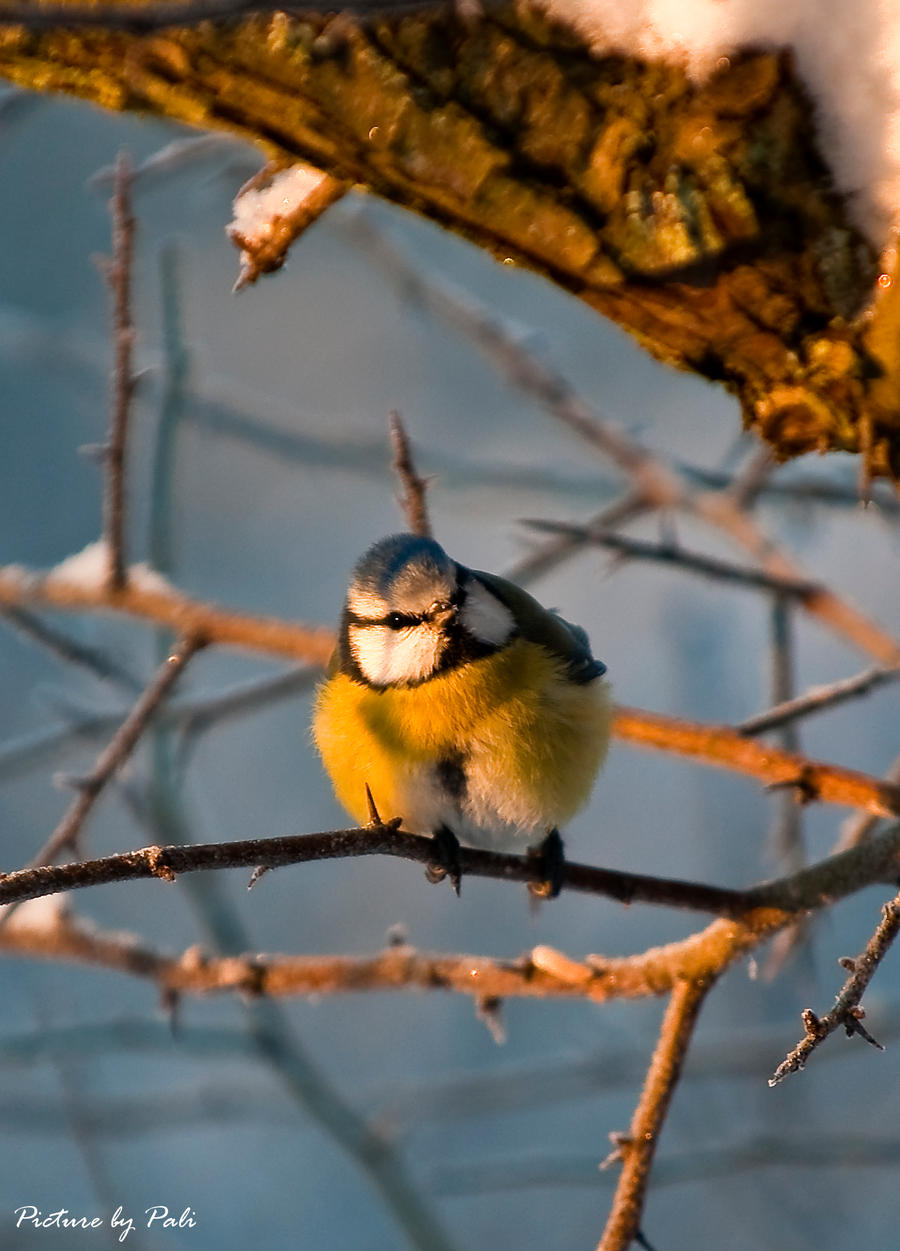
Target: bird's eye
pixel 396 620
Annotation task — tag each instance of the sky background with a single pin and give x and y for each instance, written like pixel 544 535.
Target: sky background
pixel 280 478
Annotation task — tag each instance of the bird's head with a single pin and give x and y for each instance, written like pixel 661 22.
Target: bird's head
pixel 412 612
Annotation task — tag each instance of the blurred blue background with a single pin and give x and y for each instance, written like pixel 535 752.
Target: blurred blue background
pixel 280 476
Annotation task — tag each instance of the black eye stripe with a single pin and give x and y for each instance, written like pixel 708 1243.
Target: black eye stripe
pixel 393 620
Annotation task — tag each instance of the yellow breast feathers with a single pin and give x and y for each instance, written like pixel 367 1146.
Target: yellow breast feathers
pixel 502 745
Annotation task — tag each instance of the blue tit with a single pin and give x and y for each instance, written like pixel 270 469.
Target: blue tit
pixel 467 708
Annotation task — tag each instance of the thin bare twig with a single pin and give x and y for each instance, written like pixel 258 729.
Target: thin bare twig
pixel 117 271
pixel 638 1149
pixel 69 650
pixel 846 1011
pixel 412 501
pixel 671 553
pixel 816 1148
pixel 785 838
pixel 818 699
pixel 548 555
pixel 115 753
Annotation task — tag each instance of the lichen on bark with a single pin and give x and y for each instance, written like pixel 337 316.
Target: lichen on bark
pixel 698 215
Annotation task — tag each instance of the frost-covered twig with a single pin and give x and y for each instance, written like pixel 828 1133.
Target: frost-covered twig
pixel 846 1011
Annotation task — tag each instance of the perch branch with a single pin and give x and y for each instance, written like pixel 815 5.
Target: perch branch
pixel 813 887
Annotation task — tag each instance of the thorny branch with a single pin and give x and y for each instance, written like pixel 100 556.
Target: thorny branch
pixel 846 1011
pixel 812 887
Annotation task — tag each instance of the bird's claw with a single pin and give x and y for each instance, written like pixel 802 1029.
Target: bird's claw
pixel 446 858
pixel 549 861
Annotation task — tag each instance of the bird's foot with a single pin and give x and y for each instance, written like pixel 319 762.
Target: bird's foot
pixel 446 858
pixel 549 860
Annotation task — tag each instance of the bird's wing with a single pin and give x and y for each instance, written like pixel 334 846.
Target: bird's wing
pixel 539 625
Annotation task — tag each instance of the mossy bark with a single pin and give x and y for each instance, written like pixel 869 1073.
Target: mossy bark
pixel 698 216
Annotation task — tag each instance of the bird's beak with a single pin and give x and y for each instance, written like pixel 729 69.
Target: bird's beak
pixel 442 613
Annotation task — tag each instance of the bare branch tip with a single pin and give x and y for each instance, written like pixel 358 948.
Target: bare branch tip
pixel 412 501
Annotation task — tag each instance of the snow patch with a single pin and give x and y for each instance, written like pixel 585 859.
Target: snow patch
pixel 258 209
pixel 45 913
pixel 89 569
pixel 847 53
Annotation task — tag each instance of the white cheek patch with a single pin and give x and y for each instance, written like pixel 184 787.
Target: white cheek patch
pixel 392 657
pixel 484 616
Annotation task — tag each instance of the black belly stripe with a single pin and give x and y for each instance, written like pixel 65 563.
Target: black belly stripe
pixel 451 775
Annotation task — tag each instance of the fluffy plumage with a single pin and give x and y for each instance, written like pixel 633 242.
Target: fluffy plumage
pixel 459 700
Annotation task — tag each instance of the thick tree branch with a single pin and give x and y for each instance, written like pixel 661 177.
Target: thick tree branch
pixel 720 246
